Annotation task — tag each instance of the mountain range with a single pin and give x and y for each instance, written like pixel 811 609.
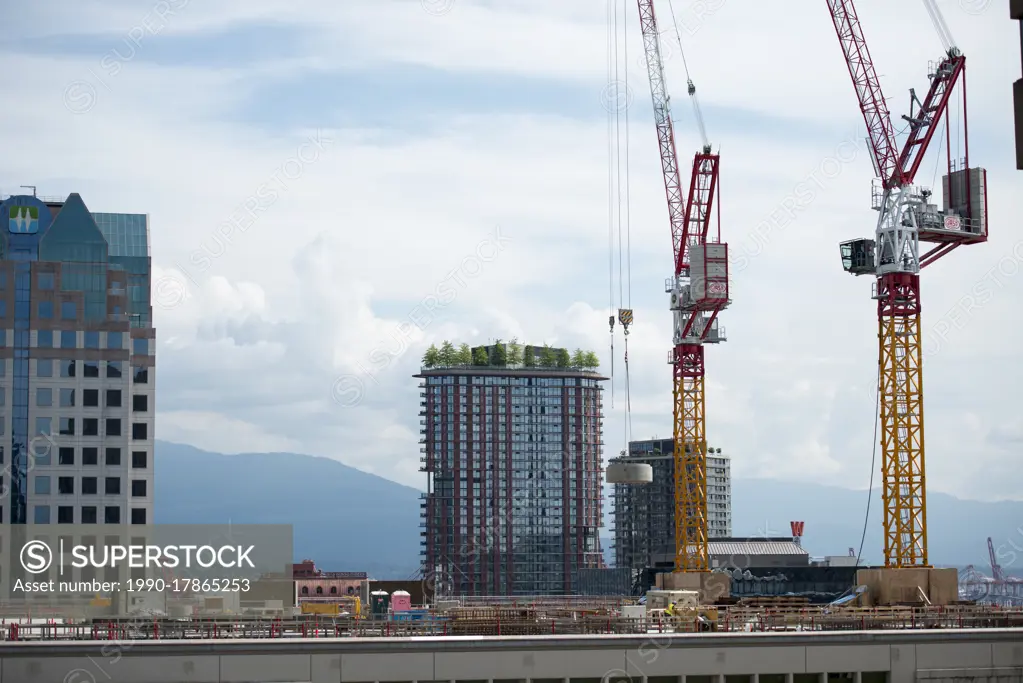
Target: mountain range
pixel 348 520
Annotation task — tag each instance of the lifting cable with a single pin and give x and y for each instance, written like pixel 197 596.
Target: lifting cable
pixel 619 216
pixel 611 8
pixel 626 275
pixel 873 462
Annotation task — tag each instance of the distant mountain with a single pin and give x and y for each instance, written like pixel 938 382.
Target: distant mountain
pixel 957 530
pixel 348 520
pixel 344 519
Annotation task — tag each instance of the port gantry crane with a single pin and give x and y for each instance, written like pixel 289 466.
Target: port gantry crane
pixel 698 290
pixel 906 218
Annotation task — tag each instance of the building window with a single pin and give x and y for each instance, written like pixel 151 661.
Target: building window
pixel 45 310
pixel 138 460
pixel 139 431
pixel 3 397
pixel 89 486
pixel 138 515
pixel 92 340
pixel 113 426
pixel 112 515
pixel 68 310
pixel 113 368
pixel 65 456
pixel 138 488
pixel 67 398
pixel 90 398
pixel 90 427
pixel 113 398
pixel 90 455
pixel 140 346
pixel 44 397
pixel 44 368
pixel 43 426
pixel 42 486
pixel 44 339
pixel 88 514
pixel 91 369
pixel 139 403
pixel 113 457
pixel 115 340
pixel 42 514
pixel 66 486
pixel 67 368
pixel 46 281
pixel 113 486
pixel 67 426
pixel 68 339
pixel 141 374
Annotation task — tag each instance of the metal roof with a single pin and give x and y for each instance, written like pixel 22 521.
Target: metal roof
pixel 739 548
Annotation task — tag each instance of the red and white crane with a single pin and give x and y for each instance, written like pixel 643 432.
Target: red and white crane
pixel 906 218
pixel 698 289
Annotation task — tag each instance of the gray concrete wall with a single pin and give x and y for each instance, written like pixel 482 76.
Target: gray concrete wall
pixel 994 655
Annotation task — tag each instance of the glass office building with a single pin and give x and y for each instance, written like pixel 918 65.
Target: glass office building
pixel 513 458
pixel 77 349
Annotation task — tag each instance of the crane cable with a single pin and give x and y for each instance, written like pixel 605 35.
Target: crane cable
pixel 689 82
pixel 619 99
pixel 627 274
pixel 610 190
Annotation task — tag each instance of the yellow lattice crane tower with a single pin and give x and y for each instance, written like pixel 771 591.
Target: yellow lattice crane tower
pixel 906 218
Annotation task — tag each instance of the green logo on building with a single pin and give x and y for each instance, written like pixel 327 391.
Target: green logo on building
pixel 23 220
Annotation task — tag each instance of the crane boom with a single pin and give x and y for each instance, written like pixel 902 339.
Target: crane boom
pixel 699 291
pixel 868 89
pixel 665 131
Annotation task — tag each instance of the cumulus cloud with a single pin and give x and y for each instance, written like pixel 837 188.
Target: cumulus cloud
pixel 304 260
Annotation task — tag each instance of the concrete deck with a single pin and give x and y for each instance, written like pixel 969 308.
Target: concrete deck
pixel 939 656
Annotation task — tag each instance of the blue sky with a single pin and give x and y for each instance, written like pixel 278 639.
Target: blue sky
pixel 433 129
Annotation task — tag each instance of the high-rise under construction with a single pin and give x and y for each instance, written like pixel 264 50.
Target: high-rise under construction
pixel 511 444
pixel 644 519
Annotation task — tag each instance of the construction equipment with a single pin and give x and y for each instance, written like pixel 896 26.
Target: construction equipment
pixel 698 290
pixel 906 218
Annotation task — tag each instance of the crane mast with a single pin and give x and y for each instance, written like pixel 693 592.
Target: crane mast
pixel 906 218
pixel 698 291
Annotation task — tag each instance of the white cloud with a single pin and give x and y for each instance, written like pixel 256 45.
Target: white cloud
pixel 373 228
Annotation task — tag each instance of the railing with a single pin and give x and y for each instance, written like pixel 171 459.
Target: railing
pixel 572 615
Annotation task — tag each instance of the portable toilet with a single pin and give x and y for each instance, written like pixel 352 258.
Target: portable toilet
pixel 379 602
pixel 401 601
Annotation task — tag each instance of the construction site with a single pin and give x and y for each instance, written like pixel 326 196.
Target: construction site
pixel 511 516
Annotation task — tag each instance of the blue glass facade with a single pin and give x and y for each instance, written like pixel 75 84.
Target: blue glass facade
pixel 85 247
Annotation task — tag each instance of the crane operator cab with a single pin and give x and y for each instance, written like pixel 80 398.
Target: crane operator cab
pixel 858 256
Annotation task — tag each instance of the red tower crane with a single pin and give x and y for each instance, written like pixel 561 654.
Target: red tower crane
pixel 906 218
pixel 699 292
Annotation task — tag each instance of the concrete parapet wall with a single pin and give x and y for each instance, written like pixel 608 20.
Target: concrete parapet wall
pixel 979 655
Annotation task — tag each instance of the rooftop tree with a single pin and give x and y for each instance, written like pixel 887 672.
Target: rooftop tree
pixel 547 357
pixel 432 357
pixel 479 357
pixel 447 354
pixel 515 352
pixel 464 355
pixel 562 359
pixel 529 358
pixel 499 355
